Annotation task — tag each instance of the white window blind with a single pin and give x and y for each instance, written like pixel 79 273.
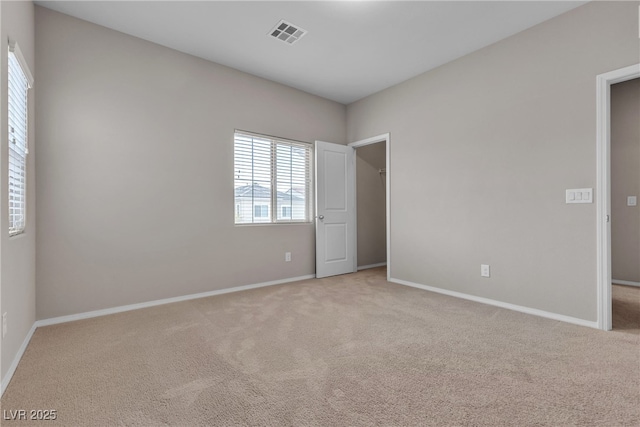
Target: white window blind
pixel 272 179
pixel 18 85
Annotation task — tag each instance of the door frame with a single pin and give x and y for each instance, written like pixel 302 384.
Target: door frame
pixel 385 137
pixel 603 186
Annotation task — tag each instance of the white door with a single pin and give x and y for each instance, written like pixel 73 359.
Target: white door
pixel 335 209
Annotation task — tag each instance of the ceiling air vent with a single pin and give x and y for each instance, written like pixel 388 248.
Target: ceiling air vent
pixel 287 32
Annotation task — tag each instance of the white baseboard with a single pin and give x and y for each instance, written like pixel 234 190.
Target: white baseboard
pixel 113 310
pixel 120 309
pixel 625 282
pixel 365 267
pixel 522 309
pixel 14 365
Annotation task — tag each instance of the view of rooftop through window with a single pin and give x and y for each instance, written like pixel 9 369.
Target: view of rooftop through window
pixel 271 179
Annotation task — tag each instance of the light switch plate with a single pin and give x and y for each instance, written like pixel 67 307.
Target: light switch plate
pixel 579 195
pixel 632 201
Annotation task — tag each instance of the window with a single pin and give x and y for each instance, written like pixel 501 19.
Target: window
pixel 261 211
pixel 272 179
pixel 19 82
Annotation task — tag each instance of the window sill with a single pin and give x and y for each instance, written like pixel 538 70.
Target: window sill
pixel 16 234
pixel 262 224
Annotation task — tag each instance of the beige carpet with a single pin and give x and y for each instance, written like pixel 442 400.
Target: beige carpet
pixel 350 350
pixel 625 306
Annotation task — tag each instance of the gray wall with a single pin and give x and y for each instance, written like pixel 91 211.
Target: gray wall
pixel 371 204
pixel 482 151
pixel 17 272
pixel 135 190
pixel 625 180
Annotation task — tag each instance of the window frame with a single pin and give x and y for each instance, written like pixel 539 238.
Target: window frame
pixel 264 211
pixel 273 207
pixel 14 55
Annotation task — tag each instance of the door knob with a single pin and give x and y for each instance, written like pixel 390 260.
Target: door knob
pixel 320 217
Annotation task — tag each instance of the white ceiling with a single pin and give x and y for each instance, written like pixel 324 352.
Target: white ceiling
pixel 352 49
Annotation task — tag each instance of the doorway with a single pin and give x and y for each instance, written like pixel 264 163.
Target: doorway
pixel 373 246
pixel 335 208
pixel 603 188
pixel 371 193
pixel 625 213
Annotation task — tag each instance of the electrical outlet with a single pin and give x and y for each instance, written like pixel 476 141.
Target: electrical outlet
pixel 485 270
pixel 4 324
pixel 287 256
